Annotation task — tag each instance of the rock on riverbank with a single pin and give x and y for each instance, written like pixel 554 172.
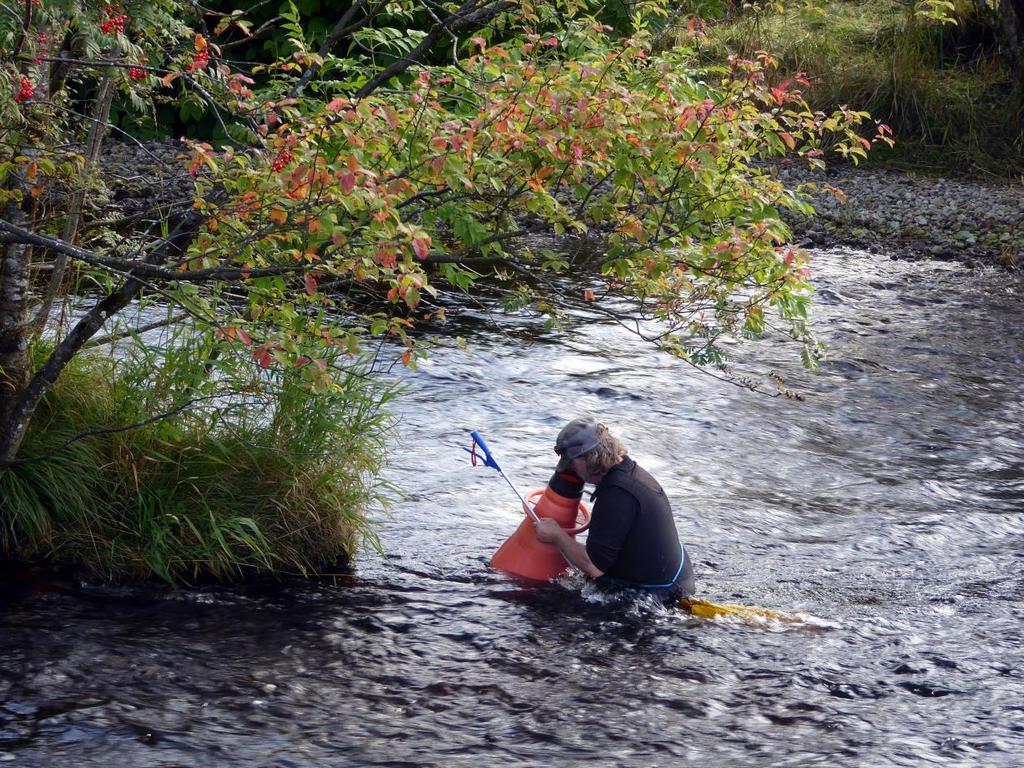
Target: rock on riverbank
pixel 908 214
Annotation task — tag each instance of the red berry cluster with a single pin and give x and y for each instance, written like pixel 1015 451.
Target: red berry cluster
pixel 115 20
pixel 201 60
pixel 42 40
pixel 26 92
pixel 138 73
pixel 284 157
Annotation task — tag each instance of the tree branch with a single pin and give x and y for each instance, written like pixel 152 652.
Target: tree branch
pixel 108 431
pixel 468 15
pixel 101 115
pixel 145 269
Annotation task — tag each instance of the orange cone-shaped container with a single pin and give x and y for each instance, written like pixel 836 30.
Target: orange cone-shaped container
pixel 523 555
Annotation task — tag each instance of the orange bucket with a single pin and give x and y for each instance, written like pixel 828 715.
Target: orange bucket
pixel 523 554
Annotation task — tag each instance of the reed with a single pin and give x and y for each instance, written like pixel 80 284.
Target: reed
pixel 276 479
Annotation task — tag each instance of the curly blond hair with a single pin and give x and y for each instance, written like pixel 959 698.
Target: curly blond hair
pixel 606 454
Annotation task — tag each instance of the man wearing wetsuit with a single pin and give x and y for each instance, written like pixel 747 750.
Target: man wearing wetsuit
pixel 632 541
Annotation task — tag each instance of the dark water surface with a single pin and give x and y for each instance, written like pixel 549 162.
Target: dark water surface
pixel 888 504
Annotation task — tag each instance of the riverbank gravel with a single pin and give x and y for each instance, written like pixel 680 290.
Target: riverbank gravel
pixel 911 215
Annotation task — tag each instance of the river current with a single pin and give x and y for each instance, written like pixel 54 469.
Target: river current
pixel 886 506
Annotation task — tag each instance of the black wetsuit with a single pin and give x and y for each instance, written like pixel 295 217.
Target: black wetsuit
pixel 633 537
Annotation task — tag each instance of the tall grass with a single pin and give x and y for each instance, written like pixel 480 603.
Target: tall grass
pixel 940 86
pixel 267 477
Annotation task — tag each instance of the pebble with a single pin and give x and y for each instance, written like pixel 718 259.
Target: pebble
pixel 911 214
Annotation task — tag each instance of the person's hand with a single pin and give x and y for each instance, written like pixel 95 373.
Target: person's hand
pixel 548 531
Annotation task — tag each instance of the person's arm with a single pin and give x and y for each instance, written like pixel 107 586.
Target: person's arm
pixel 550 532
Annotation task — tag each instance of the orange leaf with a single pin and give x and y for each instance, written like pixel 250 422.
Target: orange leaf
pixel 279 216
pixel 310 282
pixel 787 139
pixel 631 227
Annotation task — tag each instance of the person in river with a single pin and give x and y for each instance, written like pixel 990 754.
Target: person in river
pixel 632 540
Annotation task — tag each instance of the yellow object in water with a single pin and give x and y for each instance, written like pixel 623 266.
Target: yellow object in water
pixel 705 609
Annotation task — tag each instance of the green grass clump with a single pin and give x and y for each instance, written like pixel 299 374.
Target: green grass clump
pixel 270 478
pixel 941 86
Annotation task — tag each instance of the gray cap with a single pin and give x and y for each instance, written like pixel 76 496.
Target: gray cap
pixel 578 437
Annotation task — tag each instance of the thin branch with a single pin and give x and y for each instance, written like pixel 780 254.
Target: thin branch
pixel 108 431
pixel 101 116
pixel 110 338
pixel 468 15
pixel 341 28
pixel 140 269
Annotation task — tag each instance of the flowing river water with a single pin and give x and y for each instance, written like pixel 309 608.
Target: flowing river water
pixel 887 506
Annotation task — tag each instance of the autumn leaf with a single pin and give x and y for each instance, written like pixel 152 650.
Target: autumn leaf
pixel 588 295
pixel 421 245
pixel 632 227
pixel 278 215
pixel 787 139
pixel 263 356
pixel 310 283
pixel 386 256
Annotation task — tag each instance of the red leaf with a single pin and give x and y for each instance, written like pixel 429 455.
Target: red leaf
pixel 588 295
pixel 421 245
pixel 310 282
pixel 263 357
pixel 348 182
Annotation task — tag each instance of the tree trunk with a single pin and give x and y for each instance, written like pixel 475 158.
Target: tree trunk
pixel 22 402
pixel 15 366
pixel 1011 14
